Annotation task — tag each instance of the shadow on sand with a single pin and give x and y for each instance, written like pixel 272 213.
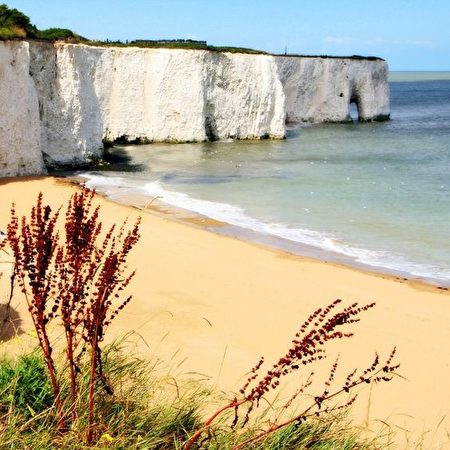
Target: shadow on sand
pixel 10 323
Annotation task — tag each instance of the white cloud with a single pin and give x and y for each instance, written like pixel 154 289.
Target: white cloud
pixel 337 40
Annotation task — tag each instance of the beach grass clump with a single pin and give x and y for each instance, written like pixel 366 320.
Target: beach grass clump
pixel 330 432
pixel 148 409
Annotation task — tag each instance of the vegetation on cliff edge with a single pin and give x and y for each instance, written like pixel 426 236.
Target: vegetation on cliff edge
pixel 16 25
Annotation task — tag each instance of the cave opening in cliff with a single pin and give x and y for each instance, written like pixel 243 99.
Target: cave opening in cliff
pixel 353 109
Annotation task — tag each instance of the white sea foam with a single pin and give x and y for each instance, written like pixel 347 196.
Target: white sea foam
pixel 115 187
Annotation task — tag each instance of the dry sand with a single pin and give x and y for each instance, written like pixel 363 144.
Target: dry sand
pixel 213 305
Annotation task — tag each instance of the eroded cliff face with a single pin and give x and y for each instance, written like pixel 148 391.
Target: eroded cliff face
pixel 61 102
pixel 71 123
pixel 321 89
pixel 243 97
pixel 20 149
pixel 90 94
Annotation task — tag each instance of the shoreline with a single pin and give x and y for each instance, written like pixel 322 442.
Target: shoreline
pixel 264 240
pixel 210 305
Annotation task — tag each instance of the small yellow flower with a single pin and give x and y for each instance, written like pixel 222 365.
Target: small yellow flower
pixel 33 333
pixel 106 437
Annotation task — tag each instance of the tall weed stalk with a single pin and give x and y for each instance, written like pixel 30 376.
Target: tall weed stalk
pixel 308 347
pixel 77 279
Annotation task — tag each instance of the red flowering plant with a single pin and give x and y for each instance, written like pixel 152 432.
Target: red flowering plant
pixel 78 280
pixel 308 347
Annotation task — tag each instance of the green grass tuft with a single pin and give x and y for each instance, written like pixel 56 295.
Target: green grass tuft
pixel 329 433
pixel 148 410
pixel 145 411
pixel 24 386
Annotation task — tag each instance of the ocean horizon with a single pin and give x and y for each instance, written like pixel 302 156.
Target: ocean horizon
pixel 370 194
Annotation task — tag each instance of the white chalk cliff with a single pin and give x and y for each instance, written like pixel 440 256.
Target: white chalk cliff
pixel 60 102
pixel 321 89
pixel 20 146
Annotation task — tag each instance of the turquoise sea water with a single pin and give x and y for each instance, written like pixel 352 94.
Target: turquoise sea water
pixel 375 194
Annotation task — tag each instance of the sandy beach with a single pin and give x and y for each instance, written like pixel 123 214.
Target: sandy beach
pixel 212 305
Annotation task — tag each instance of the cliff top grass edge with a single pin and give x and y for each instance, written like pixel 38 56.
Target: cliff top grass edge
pixel 15 25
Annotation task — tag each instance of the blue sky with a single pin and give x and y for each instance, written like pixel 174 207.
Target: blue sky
pixel 409 34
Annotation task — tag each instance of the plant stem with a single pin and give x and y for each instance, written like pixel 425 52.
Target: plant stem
pixel 73 381
pixel 208 423
pixel 276 426
pixel 91 402
pixel 45 344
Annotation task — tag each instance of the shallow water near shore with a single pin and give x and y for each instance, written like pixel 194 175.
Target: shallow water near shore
pixel 375 194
